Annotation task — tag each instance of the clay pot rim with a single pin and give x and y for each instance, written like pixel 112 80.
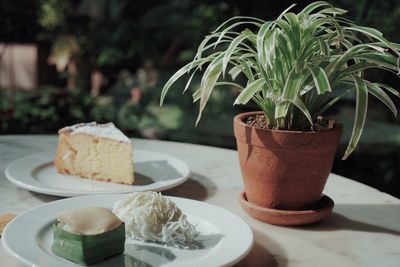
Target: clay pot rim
pixel 239 119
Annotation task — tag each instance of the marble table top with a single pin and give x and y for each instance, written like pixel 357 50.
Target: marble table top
pixel 363 230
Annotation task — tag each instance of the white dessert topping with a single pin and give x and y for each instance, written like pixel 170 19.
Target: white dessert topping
pixel 107 130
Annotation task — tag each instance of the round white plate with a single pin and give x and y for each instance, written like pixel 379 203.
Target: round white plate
pixel 224 238
pixel 153 171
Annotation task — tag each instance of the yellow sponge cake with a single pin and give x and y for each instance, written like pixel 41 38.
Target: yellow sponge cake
pixel 95 151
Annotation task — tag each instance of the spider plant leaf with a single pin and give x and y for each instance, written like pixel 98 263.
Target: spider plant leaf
pixel 354 69
pixel 270 48
pixel 374 33
pixel 263 74
pixel 382 59
pixel 235 71
pixel 333 11
pixel 208 82
pixel 318 25
pixel 261 36
pixel 283 49
pixel 303 108
pixel 247 68
pixel 376 91
pixel 230 84
pixel 311 47
pixel 285 11
pixel 279 73
pixel 324 47
pixel 389 88
pixel 248 92
pixel 350 54
pixel 313 6
pixel 294 22
pixel 227 29
pixel 292 85
pixel 283 25
pixel 361 112
pixel 196 96
pixel 394 45
pixel 320 80
pixel 202 47
pixel 251 36
pixel 231 49
pixel 290 92
pixel 332 102
pixel 294 32
pixel 177 75
pixel 338 28
pixel 189 81
pixel 238 18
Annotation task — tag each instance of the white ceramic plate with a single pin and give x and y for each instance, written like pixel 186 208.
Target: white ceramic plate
pixel 224 238
pixel 153 171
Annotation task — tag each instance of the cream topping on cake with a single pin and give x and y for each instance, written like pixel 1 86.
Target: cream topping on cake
pixel 88 221
pixel 107 130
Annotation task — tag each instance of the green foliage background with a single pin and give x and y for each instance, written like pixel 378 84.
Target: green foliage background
pixel 123 39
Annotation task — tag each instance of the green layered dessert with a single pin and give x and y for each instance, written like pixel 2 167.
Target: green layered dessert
pixel 88 235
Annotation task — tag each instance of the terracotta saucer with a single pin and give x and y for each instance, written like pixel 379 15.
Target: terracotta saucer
pixel 288 217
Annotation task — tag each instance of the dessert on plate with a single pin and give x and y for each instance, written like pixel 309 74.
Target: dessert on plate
pixel 150 216
pixel 95 151
pixel 88 235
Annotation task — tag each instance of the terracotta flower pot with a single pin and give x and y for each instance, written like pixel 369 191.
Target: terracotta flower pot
pixel 284 170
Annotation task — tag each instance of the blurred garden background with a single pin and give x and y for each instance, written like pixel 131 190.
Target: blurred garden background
pixel 64 62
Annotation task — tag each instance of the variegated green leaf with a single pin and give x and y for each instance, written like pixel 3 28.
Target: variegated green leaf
pixel 202 47
pixel 230 84
pixel 285 11
pixel 389 88
pixel 231 49
pixel 303 108
pixel 384 60
pixel 313 6
pixel 333 11
pixel 374 33
pixel 196 96
pixel 208 82
pixel 326 106
pixel 261 36
pixel 290 92
pixel 226 30
pixel 177 75
pixel 320 80
pixel 361 113
pixel 376 91
pixel 247 93
pixel 235 71
pixel 243 18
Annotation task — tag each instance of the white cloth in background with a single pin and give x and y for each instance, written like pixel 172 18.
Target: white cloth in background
pixel 18 66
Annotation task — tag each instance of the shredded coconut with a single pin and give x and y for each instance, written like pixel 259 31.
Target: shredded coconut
pixel 153 217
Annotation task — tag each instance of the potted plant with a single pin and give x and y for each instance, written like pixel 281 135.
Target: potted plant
pixel 295 68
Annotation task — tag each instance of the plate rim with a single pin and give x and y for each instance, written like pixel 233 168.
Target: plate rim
pixel 25 261
pixel 75 193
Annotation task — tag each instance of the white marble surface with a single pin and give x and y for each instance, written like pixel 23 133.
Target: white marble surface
pixel 364 229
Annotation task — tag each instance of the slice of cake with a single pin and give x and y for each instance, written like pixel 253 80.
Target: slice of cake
pixel 95 151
